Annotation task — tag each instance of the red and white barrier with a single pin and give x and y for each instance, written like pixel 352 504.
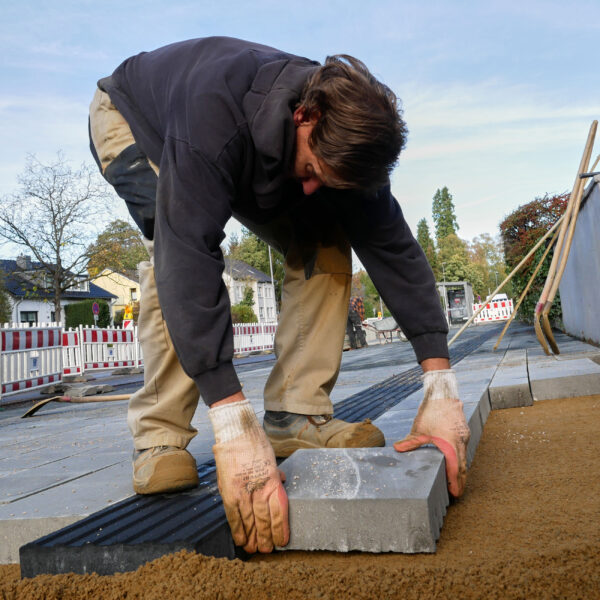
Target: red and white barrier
pixel 253 337
pixel 499 310
pixel 107 348
pixel 72 363
pixel 32 357
pixel 29 357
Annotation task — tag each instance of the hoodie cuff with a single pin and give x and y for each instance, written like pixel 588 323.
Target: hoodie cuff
pixel 430 345
pixel 218 383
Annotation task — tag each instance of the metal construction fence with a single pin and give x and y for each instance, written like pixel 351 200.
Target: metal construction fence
pixel 253 337
pixel 34 356
pixel 499 310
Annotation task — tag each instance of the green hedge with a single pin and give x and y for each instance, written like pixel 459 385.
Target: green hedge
pixel 241 313
pixel 80 313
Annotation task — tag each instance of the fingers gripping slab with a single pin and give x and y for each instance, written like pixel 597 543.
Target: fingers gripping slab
pixel 441 421
pixel 255 501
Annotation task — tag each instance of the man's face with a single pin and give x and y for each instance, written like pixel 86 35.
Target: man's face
pixel 308 169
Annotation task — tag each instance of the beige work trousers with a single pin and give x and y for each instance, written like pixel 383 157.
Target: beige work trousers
pixel 308 343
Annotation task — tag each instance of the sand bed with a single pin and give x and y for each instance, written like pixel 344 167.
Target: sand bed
pixel 527 527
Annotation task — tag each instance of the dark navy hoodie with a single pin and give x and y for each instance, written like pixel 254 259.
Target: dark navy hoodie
pixel 216 116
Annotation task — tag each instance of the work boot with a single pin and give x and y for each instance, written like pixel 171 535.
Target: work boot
pixel 163 469
pixel 288 432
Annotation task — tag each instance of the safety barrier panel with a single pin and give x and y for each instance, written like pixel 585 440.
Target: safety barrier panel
pixel 108 348
pixel 253 337
pixel 494 311
pixel 71 353
pixel 30 357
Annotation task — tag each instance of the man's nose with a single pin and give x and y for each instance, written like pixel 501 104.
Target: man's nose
pixel 311 185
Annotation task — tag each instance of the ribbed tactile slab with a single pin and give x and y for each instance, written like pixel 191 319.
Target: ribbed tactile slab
pixel 367 499
pixel 135 531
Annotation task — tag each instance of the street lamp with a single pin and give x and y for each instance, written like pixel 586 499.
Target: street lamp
pixel 446 311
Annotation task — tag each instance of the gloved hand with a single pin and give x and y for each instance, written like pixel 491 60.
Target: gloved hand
pixel 250 484
pixel 441 421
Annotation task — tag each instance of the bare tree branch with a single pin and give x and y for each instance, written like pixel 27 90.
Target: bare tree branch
pixel 55 214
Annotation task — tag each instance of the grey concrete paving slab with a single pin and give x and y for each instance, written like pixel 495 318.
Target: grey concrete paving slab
pixel 39 514
pixel 373 500
pixel 510 386
pixel 551 378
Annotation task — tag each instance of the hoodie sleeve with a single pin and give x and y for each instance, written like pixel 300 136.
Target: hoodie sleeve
pixel 192 207
pixel 398 267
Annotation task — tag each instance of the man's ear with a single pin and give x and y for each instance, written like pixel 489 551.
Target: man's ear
pixel 301 117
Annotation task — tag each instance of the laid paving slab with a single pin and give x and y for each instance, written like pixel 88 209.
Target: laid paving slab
pixel 510 386
pixel 551 378
pixel 373 500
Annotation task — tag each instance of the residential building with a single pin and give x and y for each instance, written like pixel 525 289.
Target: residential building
pixel 238 276
pixel 28 286
pixel 125 286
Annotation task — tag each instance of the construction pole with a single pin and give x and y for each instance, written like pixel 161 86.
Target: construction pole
pixel 509 277
pixel 524 293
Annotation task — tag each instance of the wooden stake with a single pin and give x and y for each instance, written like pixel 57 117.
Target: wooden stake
pixel 524 293
pixel 509 277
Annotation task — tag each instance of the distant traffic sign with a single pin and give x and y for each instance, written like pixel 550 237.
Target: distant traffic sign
pixel 95 308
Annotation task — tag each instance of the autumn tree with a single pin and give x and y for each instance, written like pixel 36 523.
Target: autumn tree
pixel 363 286
pixel 54 214
pixel 454 262
pixel 520 231
pixel 119 248
pixel 443 214
pixel 486 256
pixel 426 242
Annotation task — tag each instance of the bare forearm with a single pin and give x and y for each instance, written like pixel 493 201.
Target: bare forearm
pixel 435 364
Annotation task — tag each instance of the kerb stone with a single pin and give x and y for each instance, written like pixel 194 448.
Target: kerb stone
pixel 510 386
pixel 551 379
pixel 367 499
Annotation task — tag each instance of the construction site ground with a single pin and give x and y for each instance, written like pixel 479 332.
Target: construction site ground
pixel 527 526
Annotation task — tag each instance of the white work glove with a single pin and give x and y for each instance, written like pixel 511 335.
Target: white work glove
pixel 250 484
pixel 441 421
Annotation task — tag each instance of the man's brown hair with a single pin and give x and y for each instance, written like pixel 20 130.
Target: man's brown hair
pixel 360 132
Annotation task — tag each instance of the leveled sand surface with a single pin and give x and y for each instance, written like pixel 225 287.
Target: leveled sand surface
pixel 528 526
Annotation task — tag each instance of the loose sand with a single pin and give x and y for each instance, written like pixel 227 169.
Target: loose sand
pixel 527 527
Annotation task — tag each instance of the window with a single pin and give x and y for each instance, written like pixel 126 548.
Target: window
pixel 133 294
pixel 53 316
pixel 261 312
pixel 29 316
pixel 79 286
pixel 260 290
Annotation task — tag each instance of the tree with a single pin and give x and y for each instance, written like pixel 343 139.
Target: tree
pixel 5 305
pixel 520 231
pixel 119 248
pixel 255 252
pixel 426 242
pixel 363 286
pixel 53 214
pixel 453 258
pixel 443 214
pixel 243 311
pixel 486 256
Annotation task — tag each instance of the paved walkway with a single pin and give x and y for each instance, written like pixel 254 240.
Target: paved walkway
pixel 69 461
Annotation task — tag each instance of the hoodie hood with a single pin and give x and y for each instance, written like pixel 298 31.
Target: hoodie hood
pixel 269 108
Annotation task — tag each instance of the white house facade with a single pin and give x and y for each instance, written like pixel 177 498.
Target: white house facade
pixel 32 302
pixel 238 276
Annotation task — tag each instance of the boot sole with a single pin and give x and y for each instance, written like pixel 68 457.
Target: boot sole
pixel 285 448
pixel 169 476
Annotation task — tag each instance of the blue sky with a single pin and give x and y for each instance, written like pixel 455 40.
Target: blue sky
pixel 498 96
